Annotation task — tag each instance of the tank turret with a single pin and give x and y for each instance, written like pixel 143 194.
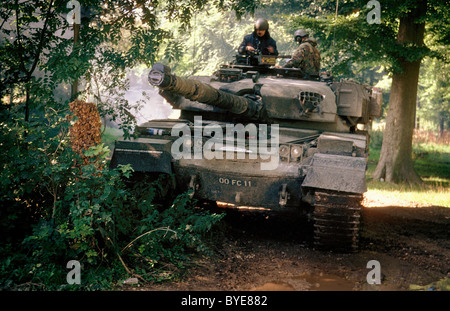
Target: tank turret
pixel 269 95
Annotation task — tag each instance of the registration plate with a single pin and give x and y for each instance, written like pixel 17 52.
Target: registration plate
pixel 236 182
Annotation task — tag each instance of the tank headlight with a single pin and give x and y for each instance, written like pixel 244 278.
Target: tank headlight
pixel 296 152
pixel 284 151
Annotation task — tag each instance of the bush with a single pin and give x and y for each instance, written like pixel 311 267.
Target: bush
pixel 57 210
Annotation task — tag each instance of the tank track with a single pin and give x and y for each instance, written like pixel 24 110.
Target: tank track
pixel 336 220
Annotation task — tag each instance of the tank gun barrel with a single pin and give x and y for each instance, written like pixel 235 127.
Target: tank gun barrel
pixel 161 76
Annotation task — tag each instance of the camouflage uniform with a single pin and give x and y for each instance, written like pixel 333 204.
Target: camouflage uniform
pixel 306 57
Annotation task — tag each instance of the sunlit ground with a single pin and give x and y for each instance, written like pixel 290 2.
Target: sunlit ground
pixel 431 157
pixel 435 192
pixel 380 198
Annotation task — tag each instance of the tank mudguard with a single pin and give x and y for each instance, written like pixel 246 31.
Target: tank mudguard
pixel 143 155
pixel 336 173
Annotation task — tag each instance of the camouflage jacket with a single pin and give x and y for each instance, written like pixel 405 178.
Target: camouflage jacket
pixel 306 57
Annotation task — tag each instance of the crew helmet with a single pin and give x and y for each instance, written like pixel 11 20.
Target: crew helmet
pixel 261 24
pixel 300 34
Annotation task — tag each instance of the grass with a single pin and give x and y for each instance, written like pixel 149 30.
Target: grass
pixel 414 196
pixel 431 162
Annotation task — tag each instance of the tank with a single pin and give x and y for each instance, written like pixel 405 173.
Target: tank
pixel 265 137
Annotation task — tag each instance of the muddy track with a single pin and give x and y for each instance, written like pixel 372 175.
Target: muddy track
pixel 260 251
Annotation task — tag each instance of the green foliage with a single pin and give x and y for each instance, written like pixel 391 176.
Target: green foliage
pixel 434 94
pixel 211 40
pixel 347 37
pixel 167 236
pixel 376 140
pixel 35 163
pixel 94 221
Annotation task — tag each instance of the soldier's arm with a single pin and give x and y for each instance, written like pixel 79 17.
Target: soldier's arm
pixel 243 47
pixel 274 46
pixel 296 59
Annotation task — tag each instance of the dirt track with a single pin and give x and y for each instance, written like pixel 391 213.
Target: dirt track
pixel 275 252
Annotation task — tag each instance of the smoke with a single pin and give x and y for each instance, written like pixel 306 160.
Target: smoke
pixel 150 105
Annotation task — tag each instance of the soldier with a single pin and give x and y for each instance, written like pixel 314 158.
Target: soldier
pixel 306 57
pixel 259 40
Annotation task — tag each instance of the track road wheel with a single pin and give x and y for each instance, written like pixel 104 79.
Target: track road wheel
pixel 336 220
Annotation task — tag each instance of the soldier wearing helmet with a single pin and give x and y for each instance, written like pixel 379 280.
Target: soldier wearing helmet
pixel 306 57
pixel 259 40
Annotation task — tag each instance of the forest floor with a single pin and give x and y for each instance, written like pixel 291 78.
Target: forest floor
pixel 263 251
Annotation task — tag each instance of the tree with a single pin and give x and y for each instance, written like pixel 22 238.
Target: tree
pixel 395 162
pixel 396 44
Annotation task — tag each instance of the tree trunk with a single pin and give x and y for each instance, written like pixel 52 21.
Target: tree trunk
pixel 76 39
pixel 395 164
pixel 441 124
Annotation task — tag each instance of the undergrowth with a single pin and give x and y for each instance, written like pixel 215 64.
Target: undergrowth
pixel 114 229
